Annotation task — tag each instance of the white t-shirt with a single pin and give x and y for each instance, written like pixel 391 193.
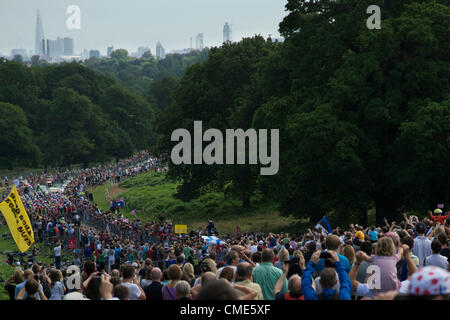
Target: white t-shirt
pixel 135 293
pixel 57 251
pixel 253 249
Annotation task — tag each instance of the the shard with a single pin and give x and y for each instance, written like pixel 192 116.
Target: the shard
pixel 39 43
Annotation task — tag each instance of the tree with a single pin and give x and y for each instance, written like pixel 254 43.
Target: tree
pixel 119 54
pixel 16 143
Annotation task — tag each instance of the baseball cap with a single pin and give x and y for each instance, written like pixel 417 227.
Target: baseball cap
pixel 430 280
pixel 261 242
pixel 438 211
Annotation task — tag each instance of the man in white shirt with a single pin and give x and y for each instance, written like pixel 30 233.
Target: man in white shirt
pixel 436 259
pixel 422 245
pixel 57 251
pixel 131 282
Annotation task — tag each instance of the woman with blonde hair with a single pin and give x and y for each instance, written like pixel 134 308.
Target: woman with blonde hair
pixel 385 261
pixel 188 273
pixel 349 253
pixel 283 256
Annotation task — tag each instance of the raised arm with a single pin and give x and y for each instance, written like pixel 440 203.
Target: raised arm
pixel 279 285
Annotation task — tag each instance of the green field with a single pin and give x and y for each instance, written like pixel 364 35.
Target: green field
pixel 152 194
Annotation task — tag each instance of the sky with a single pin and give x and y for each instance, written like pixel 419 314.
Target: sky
pixel 132 23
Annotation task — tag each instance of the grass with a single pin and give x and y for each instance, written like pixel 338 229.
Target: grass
pixel 152 194
pixel 45 255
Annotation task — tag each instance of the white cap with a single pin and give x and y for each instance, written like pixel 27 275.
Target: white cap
pixel 74 296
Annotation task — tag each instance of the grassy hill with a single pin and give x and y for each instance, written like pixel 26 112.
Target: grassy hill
pixel 152 194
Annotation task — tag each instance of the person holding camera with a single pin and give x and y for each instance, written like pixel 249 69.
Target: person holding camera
pixel 328 278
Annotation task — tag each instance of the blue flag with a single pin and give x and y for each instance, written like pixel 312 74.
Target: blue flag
pixel 324 225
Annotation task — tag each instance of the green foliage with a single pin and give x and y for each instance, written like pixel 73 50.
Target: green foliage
pixel 152 194
pixel 64 114
pixel 138 74
pixel 362 114
pixel 16 143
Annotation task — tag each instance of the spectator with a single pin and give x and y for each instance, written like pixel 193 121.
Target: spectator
pixel 28 275
pixel 130 281
pixel 436 259
pixel 153 291
pixel 283 256
pixel 31 290
pixel 445 250
pixel 294 286
pixel 122 292
pixel 422 245
pixel 174 273
pixel 10 284
pixel 231 260
pixel 56 285
pixel 328 280
pixel 332 243
pixel 266 275
pixel 183 290
pixel 148 277
pixel 188 273
pixel 244 273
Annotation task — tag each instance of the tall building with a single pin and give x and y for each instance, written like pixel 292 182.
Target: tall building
pixel 68 47
pixel 56 48
pixel 160 51
pixel 142 50
pixel 94 54
pixel 38 48
pixel 109 50
pixel 199 42
pixel 227 33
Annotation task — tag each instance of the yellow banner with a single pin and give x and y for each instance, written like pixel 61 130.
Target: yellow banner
pixel 180 228
pixel 18 221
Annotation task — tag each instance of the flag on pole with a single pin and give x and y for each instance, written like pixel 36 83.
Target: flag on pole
pixel 18 221
pixel 238 232
pixel 133 212
pixel 324 225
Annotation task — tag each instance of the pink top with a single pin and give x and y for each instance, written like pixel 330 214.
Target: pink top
pixel 388 273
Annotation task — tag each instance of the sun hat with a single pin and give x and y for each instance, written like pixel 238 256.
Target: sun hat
pixel 430 280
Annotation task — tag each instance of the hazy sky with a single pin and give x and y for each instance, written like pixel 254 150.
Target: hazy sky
pixel 132 23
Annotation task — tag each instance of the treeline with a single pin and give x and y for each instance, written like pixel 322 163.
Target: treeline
pixel 364 115
pixel 138 75
pixel 60 115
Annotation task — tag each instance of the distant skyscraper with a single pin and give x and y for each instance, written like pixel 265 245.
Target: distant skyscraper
pixel 56 48
pixel 142 50
pixel 109 51
pixel 38 48
pixel 227 33
pixel 160 52
pixel 199 42
pixel 68 47
pixel 94 54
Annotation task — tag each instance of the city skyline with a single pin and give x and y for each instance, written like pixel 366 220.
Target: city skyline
pixel 101 28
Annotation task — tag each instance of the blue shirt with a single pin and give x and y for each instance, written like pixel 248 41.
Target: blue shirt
pixel 373 235
pixel 19 288
pixel 344 291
